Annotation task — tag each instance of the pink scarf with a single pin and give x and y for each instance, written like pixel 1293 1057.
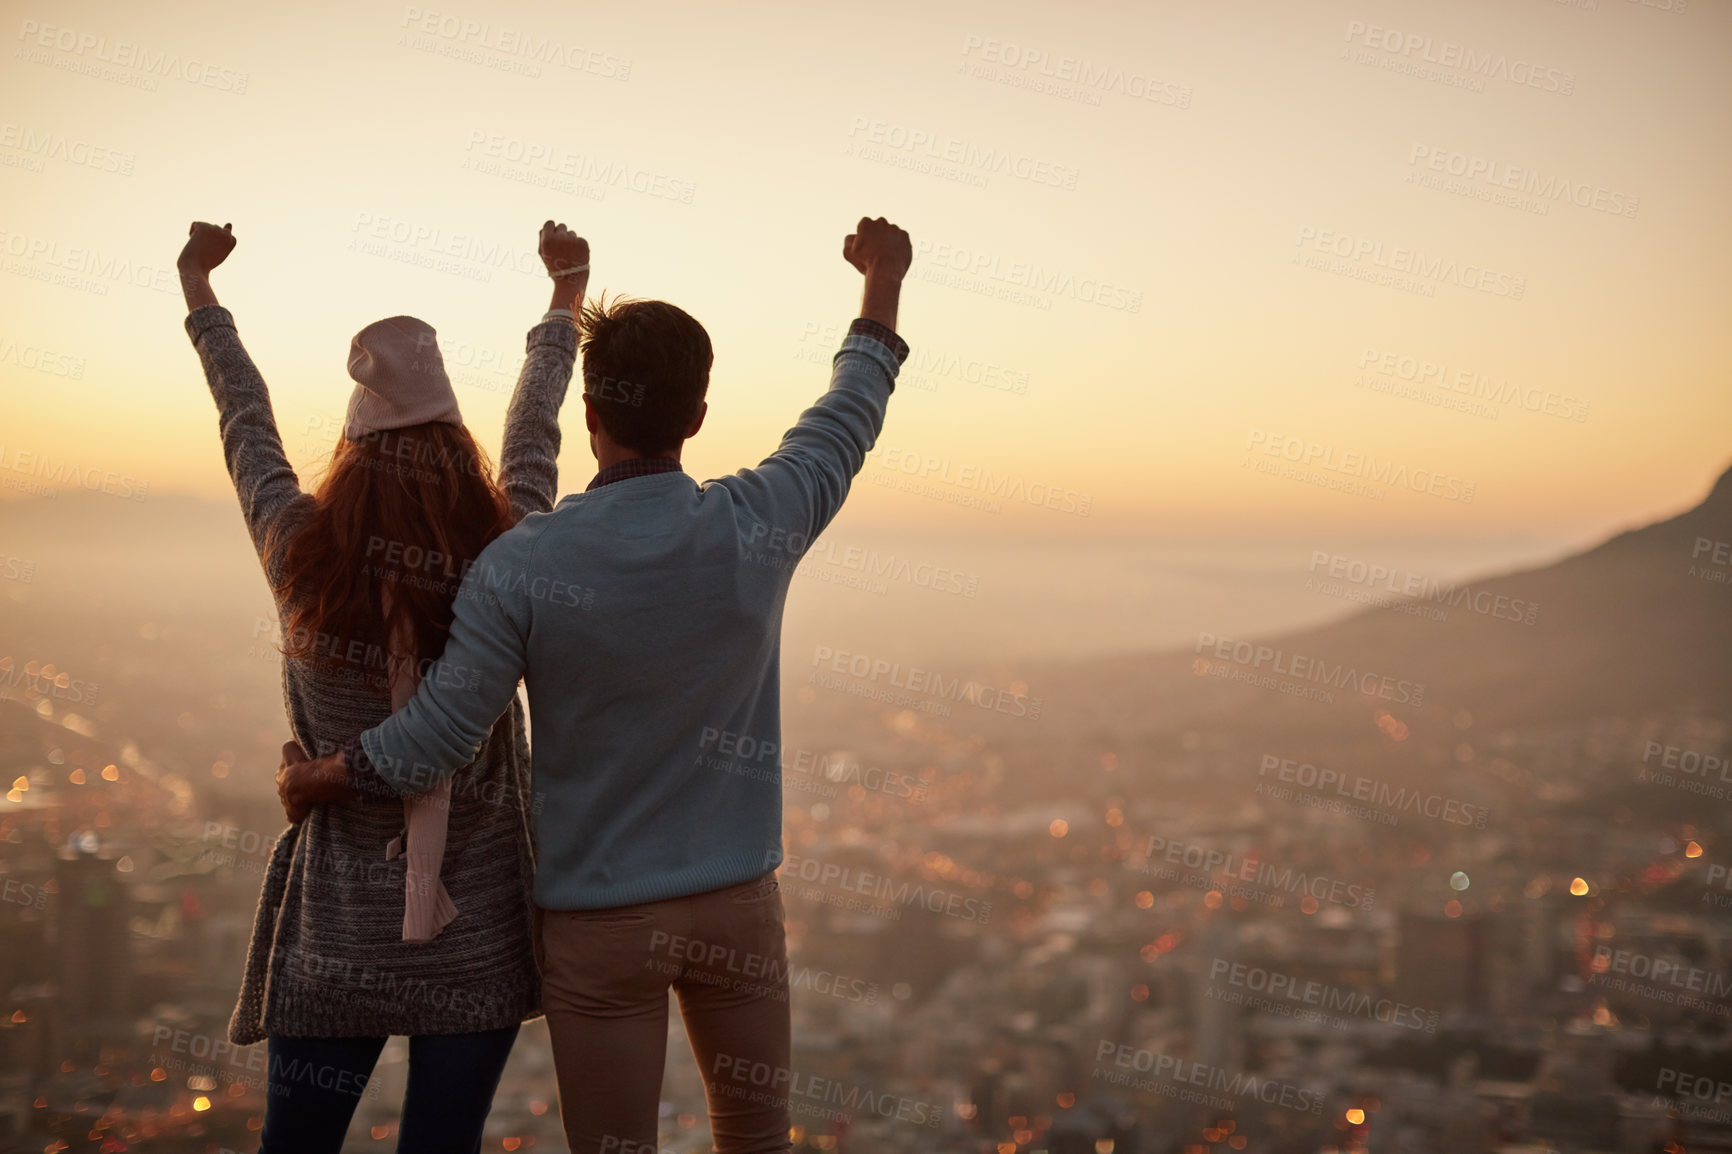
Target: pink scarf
pixel 427 907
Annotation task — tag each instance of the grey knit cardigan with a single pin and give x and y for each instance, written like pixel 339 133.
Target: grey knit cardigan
pixel 327 957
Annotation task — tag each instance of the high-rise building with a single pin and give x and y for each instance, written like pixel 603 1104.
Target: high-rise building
pixel 1440 962
pixel 92 952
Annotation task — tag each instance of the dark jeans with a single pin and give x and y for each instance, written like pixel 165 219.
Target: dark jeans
pixel 316 1083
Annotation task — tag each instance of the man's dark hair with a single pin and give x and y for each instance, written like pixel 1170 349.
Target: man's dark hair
pixel 646 364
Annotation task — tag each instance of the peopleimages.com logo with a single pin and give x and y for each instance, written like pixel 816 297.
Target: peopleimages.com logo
pixel 1719 556
pixel 1306 668
pixel 1430 269
pixel 943 257
pixel 1471 384
pixel 1687 761
pixel 1272 991
pixel 45 679
pixel 1664 979
pixel 1232 1087
pixel 1066 76
pixel 928 469
pixel 893 893
pixel 1014 702
pixel 1498 177
pixel 1355 470
pixel 472 39
pixel 1395 799
pixel 1256 871
pixel 94 55
pixel 800 768
pixel 1479 65
pixel 1368 581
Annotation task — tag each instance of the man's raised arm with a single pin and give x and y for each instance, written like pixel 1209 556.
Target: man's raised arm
pixel 881 252
pixel 528 457
pixel 800 487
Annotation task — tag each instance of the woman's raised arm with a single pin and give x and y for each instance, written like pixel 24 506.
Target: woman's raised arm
pixel 252 447
pixel 529 459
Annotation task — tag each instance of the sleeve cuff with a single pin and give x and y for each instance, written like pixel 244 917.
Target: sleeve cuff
pixel 364 781
pixel 875 351
pixel 556 331
pixel 883 334
pixel 205 318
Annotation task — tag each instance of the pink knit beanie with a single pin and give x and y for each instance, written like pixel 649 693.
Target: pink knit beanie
pixel 399 378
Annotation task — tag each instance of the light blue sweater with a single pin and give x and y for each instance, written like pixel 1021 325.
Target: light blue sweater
pixel 645 617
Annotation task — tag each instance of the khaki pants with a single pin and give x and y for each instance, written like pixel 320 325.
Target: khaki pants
pixel 605 981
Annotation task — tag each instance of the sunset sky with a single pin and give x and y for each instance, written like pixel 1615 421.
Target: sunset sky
pixel 1189 156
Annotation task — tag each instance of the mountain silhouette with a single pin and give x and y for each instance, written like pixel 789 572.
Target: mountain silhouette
pixel 1638 625
pixel 1635 625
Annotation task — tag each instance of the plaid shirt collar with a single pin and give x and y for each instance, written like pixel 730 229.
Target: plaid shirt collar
pixel 634 467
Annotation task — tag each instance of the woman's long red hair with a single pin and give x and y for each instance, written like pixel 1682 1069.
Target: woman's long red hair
pixel 403 512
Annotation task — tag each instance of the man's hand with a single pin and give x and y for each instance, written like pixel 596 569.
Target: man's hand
pixel 206 247
pixel 566 256
pixel 882 252
pixel 303 783
pixel 878 249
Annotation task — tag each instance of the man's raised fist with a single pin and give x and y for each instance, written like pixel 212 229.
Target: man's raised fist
pixel 878 248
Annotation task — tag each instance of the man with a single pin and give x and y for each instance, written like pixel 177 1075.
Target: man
pixel 645 616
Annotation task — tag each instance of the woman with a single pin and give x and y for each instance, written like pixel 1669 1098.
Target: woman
pixel 358 936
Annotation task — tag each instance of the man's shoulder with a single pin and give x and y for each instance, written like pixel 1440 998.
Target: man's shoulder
pixel 724 488
pixel 517 544
pixel 748 497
